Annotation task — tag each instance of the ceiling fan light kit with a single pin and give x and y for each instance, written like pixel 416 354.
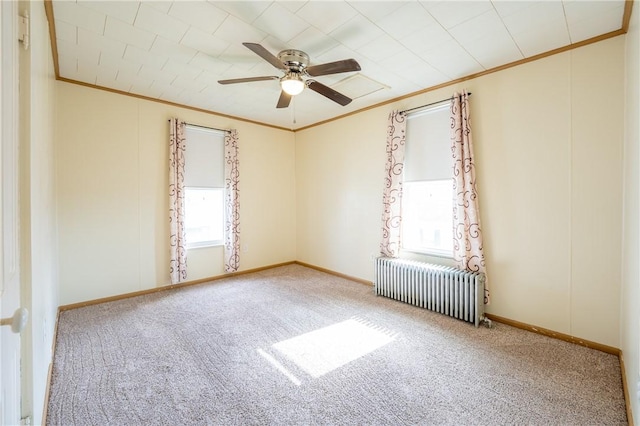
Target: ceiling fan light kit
pixel 295 64
pixel 292 83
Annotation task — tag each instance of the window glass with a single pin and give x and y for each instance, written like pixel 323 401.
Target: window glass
pixel 204 218
pixel 427 222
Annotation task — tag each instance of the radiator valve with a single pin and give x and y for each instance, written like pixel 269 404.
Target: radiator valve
pixel 487 322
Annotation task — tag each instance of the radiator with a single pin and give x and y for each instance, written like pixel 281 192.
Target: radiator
pixel 443 289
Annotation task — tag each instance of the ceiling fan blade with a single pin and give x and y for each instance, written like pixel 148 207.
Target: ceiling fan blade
pixel 345 65
pixel 328 92
pixel 284 101
pixel 248 79
pixel 266 55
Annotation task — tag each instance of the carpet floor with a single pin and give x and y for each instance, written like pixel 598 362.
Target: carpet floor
pixel 294 346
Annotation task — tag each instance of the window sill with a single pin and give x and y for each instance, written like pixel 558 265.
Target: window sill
pixel 204 245
pixel 440 254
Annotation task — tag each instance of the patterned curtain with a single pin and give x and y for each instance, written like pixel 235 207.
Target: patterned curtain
pixel 392 195
pixel 232 203
pixel 467 233
pixel 178 263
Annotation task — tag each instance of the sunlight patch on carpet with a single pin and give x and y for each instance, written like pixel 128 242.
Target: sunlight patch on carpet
pixel 280 367
pixel 321 351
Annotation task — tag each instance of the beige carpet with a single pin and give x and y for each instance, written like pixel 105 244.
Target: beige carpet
pixel 293 346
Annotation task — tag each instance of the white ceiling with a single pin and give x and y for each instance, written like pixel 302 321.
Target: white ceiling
pixel 177 50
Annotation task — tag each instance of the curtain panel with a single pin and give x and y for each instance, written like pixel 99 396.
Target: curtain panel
pixel 392 194
pixel 467 231
pixel 232 203
pixel 178 260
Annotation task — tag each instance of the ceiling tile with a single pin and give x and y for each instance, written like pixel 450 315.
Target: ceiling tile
pixel 376 10
pixel 92 41
pixel 68 67
pixel 209 79
pixel 292 6
pixel 484 25
pixel 131 80
pixel 426 39
pixel 533 42
pixel 380 48
pixel 452 60
pixel 177 52
pixel 80 16
pixel 412 68
pixel 87 72
pixel 115 84
pixel 326 16
pixel 73 50
pixel 280 23
pixel 202 15
pixel 118 30
pixel 494 50
pixel 584 25
pixel 124 10
pixel 181 69
pixel 155 90
pixel 204 42
pixel 119 64
pixel 577 11
pixel 155 75
pixel 241 60
pixel 408 19
pixel 508 7
pixel 162 6
pixel 533 18
pixel 206 62
pixel 356 32
pixel 67 32
pixel 452 13
pixel 358 85
pixel 188 84
pixel 156 22
pixel 233 30
pixel 105 73
pixel 246 11
pixel 313 41
pixel 338 53
pixel 136 55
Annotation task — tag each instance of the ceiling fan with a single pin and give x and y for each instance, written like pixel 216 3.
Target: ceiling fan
pixel 295 64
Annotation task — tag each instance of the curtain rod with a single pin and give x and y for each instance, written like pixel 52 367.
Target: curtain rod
pixel 205 127
pixel 431 104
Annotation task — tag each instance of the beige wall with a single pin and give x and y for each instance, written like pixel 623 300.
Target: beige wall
pixel 630 302
pixel 548 144
pixel 113 202
pixel 38 245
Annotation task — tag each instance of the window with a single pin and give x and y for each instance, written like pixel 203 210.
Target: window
pixel 204 187
pixel 427 210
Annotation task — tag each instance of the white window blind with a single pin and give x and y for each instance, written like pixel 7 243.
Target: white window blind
pixel 428 147
pixel 204 158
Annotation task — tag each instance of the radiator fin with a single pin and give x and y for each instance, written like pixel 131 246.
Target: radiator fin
pixel 443 289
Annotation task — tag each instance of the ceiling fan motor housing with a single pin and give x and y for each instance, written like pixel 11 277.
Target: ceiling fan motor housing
pixel 295 60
